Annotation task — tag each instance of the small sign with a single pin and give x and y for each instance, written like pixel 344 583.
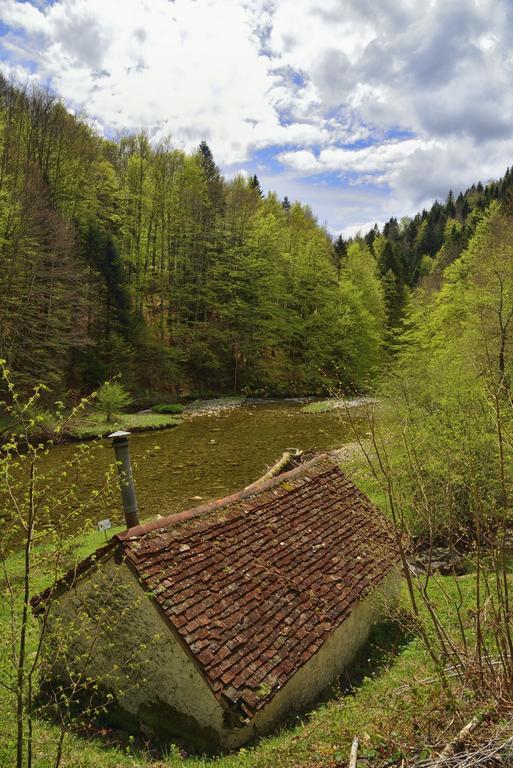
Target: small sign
pixel 104 525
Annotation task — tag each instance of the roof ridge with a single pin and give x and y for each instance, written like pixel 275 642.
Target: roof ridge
pixel 255 604
pixel 212 506
pixel 303 490
pixel 90 561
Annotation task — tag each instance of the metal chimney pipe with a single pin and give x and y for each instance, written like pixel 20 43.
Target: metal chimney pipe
pixel 126 479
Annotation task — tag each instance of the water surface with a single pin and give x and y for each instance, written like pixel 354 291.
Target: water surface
pixel 210 456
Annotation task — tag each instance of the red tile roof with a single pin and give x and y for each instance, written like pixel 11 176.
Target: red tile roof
pixel 254 584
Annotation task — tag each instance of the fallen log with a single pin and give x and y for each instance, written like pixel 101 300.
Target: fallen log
pixel 458 743
pixel 353 757
pixel 275 470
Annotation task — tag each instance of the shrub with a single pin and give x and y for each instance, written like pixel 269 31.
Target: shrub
pixel 112 398
pixel 168 408
pixel 42 423
pixel 322 406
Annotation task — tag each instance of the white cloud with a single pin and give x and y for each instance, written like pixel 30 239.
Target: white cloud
pixel 192 70
pixel 426 86
pixel 301 160
pixel 23 15
pixel 385 159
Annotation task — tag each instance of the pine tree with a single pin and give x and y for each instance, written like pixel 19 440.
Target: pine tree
pixel 255 184
pixel 207 161
pixel 339 253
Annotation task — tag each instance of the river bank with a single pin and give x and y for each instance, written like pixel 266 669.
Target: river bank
pixel 91 425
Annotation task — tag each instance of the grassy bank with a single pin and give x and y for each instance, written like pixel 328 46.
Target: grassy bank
pixel 384 698
pixel 336 403
pixel 92 424
pixel 389 697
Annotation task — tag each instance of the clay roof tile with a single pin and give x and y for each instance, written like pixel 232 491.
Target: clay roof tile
pixel 283 568
pixel 255 583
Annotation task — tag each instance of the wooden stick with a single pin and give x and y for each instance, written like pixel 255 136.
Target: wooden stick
pixel 353 757
pixel 457 744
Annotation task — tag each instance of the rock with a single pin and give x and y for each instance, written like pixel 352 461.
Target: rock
pixel 440 560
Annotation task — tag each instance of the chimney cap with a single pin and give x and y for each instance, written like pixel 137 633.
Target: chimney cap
pixel 120 433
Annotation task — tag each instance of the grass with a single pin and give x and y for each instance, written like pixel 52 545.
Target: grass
pixel 93 424
pixel 170 408
pixel 382 699
pixel 322 406
pixel 388 698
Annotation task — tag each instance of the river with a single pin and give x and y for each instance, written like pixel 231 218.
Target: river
pixel 208 456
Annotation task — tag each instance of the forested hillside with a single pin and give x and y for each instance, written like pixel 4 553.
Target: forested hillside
pixel 121 257
pixel 409 249
pixel 127 258
pixel 448 425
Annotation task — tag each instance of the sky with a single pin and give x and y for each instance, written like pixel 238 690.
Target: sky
pixel 363 109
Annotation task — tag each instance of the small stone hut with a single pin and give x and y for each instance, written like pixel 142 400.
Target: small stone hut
pixel 210 625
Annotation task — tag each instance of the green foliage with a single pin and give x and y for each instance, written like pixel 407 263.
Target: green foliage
pixel 322 406
pixel 168 408
pixel 43 423
pixel 143 261
pixel 92 424
pixel 405 251
pixel 443 456
pixel 449 415
pixel 112 398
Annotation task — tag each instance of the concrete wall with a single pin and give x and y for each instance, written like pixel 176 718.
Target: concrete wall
pixel 108 629
pixel 321 670
pixel 154 679
pixel 336 654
